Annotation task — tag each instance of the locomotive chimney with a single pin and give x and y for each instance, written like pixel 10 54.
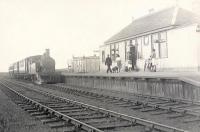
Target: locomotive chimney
pixel 47 52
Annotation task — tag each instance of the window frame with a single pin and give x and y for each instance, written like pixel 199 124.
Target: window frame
pixel 114 49
pixel 125 43
pixel 166 42
pixel 139 45
pixel 146 43
pixel 160 56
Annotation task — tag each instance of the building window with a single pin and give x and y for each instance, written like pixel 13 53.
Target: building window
pixel 125 50
pixel 155 44
pixel 163 45
pixel 159 43
pixel 103 56
pixel 114 50
pixel 128 43
pixel 146 40
pixel 133 42
pixel 139 48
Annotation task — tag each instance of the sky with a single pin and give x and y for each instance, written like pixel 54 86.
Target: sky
pixel 68 27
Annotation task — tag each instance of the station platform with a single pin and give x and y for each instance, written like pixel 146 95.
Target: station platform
pixel 188 77
pixel 173 85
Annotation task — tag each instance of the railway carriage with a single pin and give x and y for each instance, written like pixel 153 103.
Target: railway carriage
pixel 39 68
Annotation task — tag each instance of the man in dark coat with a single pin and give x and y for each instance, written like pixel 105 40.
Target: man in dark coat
pixel 108 62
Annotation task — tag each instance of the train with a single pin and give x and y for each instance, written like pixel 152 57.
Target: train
pixel 39 69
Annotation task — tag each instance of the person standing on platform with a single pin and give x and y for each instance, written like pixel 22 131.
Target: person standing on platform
pixel 119 64
pixel 108 62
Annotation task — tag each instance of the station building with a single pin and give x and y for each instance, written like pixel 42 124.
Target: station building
pixel 174 33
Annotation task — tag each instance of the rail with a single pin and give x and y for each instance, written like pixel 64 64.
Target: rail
pixel 151 124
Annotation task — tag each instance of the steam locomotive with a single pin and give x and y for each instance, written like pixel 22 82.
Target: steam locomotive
pixel 39 69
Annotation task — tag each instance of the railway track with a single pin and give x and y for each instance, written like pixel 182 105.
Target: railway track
pixel 187 111
pixel 182 111
pixel 137 101
pixel 154 108
pixel 74 115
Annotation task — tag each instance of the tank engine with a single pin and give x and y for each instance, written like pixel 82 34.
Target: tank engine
pixel 39 68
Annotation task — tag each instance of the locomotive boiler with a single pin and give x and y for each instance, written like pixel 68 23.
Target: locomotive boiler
pixel 38 68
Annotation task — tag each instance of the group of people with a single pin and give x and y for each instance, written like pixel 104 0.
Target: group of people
pixel 149 63
pixel 108 62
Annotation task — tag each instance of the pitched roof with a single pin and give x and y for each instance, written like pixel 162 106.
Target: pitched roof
pixel 156 21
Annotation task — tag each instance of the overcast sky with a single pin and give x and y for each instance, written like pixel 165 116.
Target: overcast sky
pixel 67 27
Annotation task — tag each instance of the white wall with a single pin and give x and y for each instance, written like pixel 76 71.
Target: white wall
pixel 182 49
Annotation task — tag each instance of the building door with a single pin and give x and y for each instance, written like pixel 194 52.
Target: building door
pixel 133 56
